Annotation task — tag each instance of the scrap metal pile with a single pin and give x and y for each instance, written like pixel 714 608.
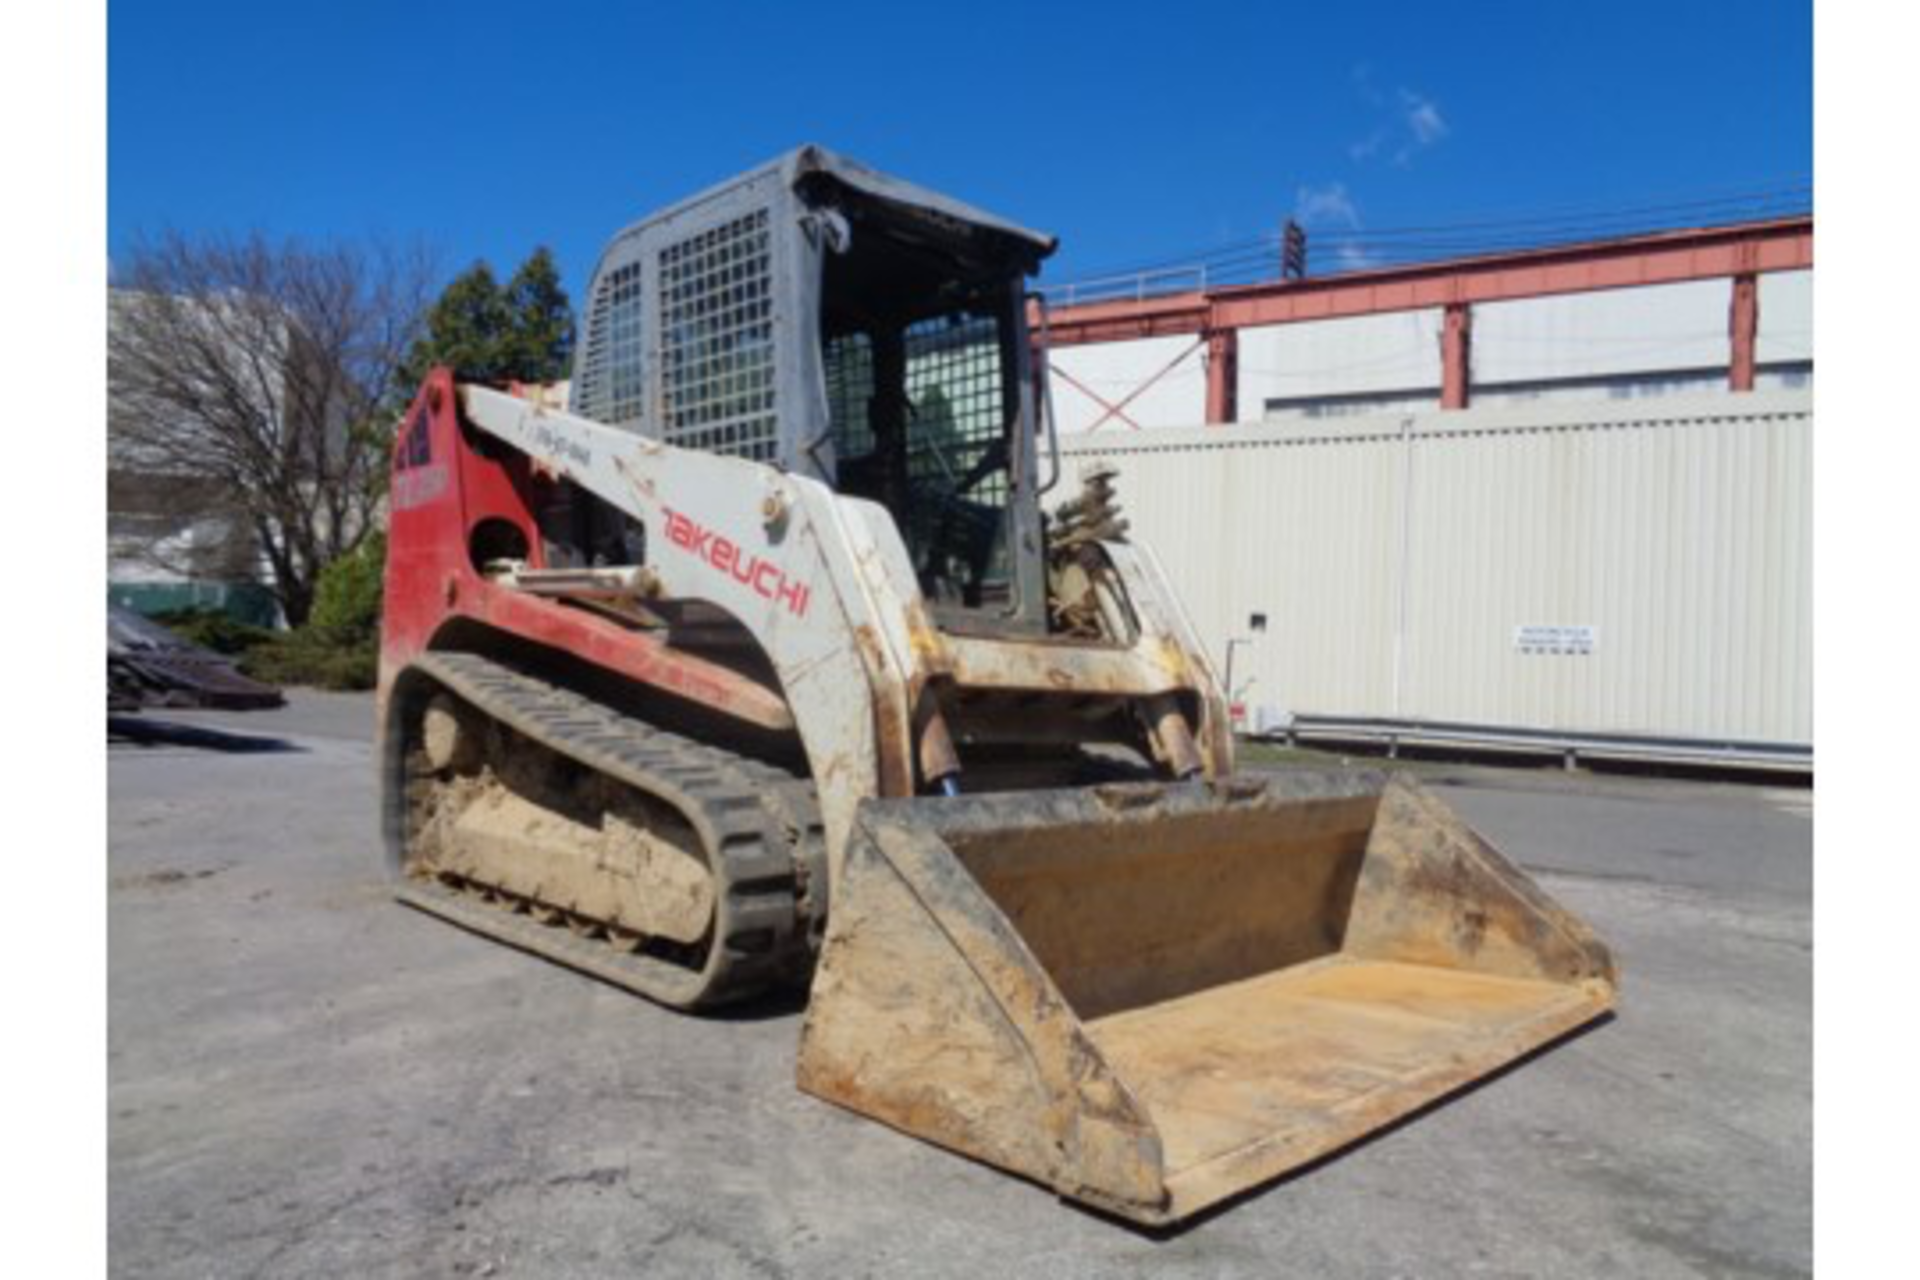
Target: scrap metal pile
pixel 149 666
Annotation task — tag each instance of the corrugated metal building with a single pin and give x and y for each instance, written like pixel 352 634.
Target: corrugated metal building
pixel 1630 578
pixel 1557 499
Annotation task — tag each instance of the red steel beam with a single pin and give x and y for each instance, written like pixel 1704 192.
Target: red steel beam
pixel 1667 257
pixel 1743 329
pixel 1169 315
pixel 1456 356
pixel 1223 377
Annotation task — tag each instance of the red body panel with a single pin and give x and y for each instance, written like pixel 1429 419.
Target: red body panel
pixel 442 490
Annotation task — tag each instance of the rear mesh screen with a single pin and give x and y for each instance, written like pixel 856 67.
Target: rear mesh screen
pixel 956 387
pixel 611 372
pixel 849 373
pixel 954 450
pixel 716 340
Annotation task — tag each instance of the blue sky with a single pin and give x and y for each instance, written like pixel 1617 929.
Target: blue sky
pixel 1134 132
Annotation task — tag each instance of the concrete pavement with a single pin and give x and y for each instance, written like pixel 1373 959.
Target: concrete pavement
pixel 306 1079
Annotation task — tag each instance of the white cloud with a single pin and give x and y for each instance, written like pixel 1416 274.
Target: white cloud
pixel 1327 206
pixel 1330 211
pixel 1352 258
pixel 1423 118
pixel 1405 123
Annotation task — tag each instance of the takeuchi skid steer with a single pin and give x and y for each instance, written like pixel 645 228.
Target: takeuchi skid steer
pixel 762 666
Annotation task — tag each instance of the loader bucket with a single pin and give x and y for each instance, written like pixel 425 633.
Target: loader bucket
pixel 1151 998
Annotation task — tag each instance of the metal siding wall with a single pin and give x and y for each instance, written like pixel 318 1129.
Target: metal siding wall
pixel 1679 528
pixel 1640 387
pixel 1115 370
pixel 1233 520
pixel 1398 351
pixel 1786 317
pixel 1610 332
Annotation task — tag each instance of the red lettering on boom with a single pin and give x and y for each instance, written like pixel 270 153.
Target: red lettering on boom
pixel 763 577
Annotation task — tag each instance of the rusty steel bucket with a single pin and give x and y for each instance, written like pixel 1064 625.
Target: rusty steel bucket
pixel 1151 998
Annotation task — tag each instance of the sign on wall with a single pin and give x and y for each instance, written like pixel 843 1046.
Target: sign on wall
pixel 1576 642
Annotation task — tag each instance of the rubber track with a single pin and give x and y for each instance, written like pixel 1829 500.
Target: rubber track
pixel 760 826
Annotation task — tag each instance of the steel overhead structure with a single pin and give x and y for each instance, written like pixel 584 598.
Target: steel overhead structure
pixel 1740 252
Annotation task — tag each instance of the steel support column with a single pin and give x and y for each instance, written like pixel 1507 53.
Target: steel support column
pixel 1456 356
pixel 1743 330
pixel 1223 376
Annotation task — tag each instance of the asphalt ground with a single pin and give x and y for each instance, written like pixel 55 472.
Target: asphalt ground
pixel 309 1080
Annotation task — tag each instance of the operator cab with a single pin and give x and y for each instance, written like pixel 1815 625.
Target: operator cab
pixel 827 319
pixel 923 352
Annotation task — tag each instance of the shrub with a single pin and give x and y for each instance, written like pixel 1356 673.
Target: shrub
pixel 213 629
pixel 312 657
pixel 338 649
pixel 346 598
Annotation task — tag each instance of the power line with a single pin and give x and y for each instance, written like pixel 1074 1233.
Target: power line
pixel 1259 256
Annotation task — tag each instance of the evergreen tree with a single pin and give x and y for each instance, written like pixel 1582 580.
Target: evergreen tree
pixel 489 333
pixel 541 337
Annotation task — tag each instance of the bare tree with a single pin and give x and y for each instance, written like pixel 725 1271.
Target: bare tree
pixel 251 384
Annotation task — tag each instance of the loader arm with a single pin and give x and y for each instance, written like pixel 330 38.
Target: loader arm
pixel 824 584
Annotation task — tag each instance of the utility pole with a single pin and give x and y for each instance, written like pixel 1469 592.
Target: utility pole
pixel 1293 251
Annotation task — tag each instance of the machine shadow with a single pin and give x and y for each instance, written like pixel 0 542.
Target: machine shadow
pixel 142 732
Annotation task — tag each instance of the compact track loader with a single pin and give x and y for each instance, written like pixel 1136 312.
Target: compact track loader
pixel 762 666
